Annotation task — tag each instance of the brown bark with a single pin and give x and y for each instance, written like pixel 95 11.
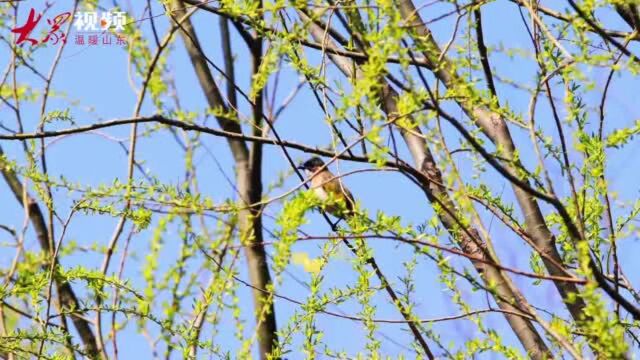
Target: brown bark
pixel 66 296
pixel 507 297
pixel 630 14
pixel 494 126
pixel 249 186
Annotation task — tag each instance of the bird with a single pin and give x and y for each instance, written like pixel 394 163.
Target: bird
pixel 325 185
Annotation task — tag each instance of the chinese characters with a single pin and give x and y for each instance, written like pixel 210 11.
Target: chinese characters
pixel 24 31
pixel 88 21
pixel 99 28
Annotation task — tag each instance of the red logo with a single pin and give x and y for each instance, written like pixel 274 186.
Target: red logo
pixel 54 34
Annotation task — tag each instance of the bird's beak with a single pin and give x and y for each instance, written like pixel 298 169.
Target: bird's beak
pixel 301 167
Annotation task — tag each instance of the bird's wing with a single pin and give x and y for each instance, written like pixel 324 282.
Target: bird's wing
pixel 349 200
pixel 334 186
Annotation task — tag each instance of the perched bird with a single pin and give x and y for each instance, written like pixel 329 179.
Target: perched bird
pixel 326 185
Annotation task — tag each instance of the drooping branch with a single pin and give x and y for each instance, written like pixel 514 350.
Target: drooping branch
pixel 469 240
pixel 66 296
pixel 495 127
pixel 248 184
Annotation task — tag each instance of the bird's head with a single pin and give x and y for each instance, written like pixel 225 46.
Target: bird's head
pixel 312 165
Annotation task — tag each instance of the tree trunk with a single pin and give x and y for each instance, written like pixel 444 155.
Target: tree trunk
pixel 496 129
pixel 507 296
pixel 249 185
pixel 66 297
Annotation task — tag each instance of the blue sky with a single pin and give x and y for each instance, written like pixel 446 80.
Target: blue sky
pixel 97 77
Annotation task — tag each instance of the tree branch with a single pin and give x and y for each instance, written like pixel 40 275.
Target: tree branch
pixel 66 295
